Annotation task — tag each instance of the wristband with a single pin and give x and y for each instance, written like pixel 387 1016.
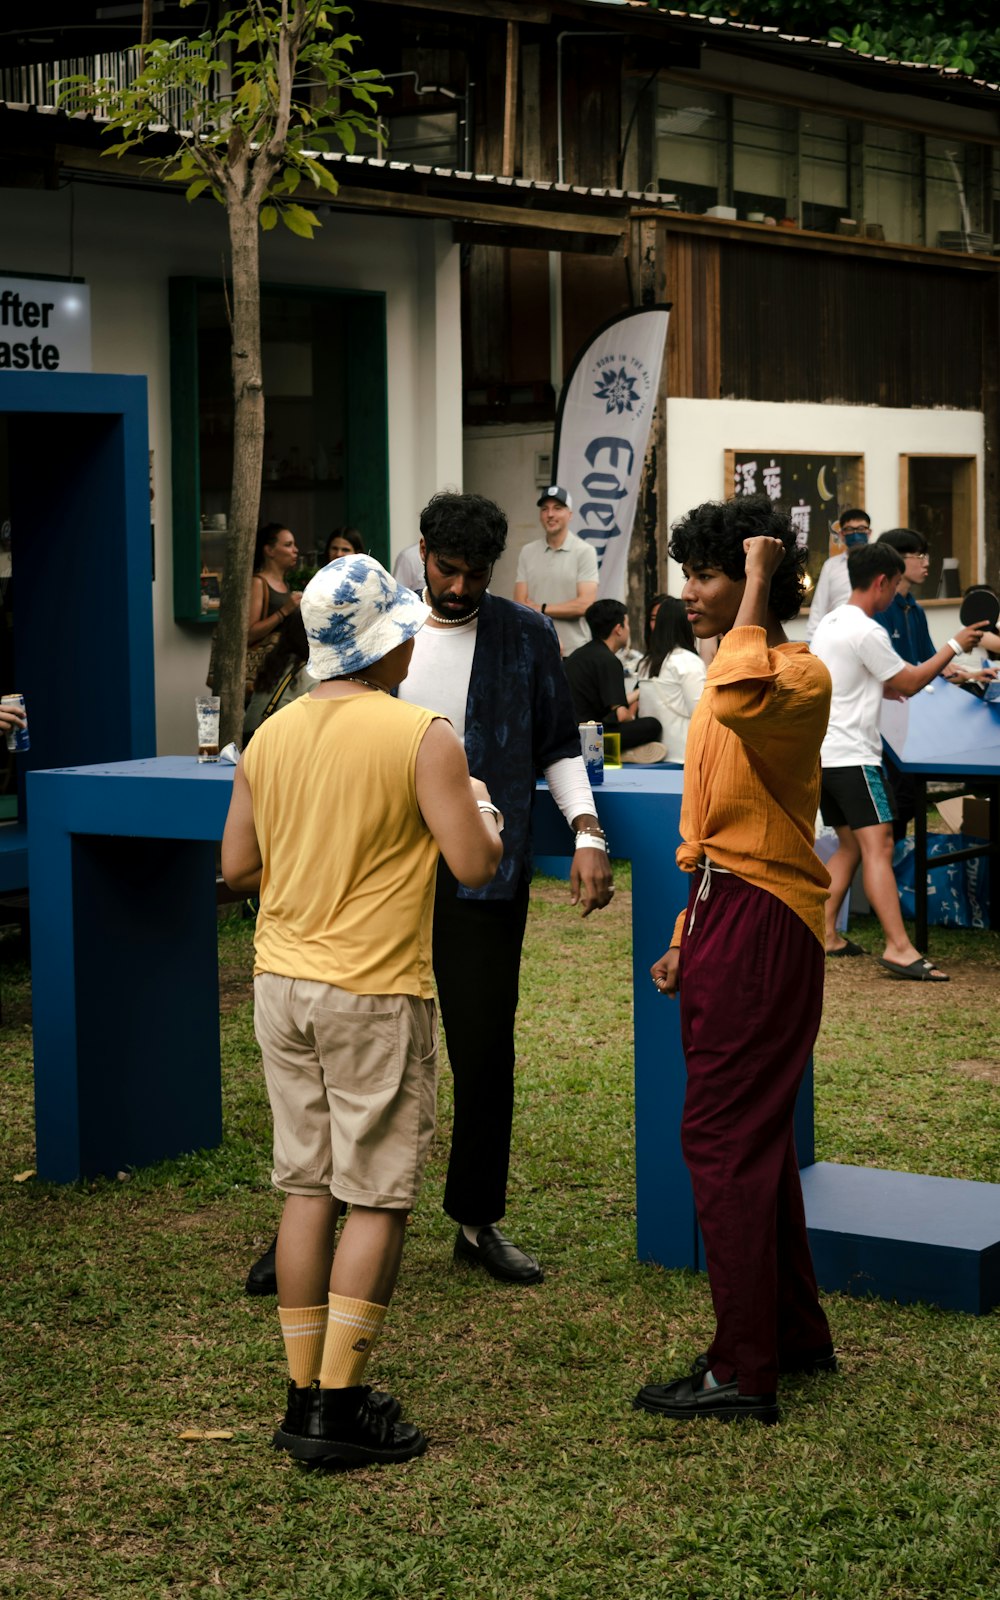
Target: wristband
pixel 590 841
pixel 953 644
pixel 488 808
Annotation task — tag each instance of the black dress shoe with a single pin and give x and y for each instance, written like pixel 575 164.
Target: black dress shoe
pixel 342 1425
pixel 501 1259
pixel 263 1276
pixel 384 1405
pixel 809 1365
pixel 681 1400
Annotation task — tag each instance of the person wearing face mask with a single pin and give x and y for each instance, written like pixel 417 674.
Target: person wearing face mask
pixel 905 621
pixel 833 586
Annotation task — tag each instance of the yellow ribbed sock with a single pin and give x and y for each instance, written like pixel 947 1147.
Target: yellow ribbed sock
pixel 352 1328
pixel 303 1329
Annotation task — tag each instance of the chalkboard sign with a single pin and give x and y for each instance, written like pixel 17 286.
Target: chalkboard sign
pixel 813 489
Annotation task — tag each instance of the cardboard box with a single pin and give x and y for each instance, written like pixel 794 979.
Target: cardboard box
pixel 966 814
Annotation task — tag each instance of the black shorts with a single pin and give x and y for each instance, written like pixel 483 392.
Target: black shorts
pixel 856 797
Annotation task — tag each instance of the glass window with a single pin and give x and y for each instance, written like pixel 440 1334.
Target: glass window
pixel 948 219
pixel 691 145
pixel 941 503
pixel 325 440
pixel 823 171
pixel 305 387
pixel 761 159
pixel 427 138
pixel 891 168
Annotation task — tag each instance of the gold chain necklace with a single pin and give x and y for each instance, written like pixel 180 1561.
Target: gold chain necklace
pixel 369 683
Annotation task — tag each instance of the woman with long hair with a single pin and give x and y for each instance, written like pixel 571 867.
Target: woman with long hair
pixel 672 676
pixel 343 542
pixel 271 600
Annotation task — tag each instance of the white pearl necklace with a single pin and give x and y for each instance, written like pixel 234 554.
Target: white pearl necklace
pixel 450 622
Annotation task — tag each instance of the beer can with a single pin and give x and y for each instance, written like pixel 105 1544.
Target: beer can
pixel 17 738
pixel 592 747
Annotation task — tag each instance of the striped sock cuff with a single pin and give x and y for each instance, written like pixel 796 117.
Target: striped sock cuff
pixel 351 1331
pixel 303 1329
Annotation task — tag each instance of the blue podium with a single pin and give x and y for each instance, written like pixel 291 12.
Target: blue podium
pixel 127 1039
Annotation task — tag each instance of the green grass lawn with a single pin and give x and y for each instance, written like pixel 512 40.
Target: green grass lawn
pixel 124 1325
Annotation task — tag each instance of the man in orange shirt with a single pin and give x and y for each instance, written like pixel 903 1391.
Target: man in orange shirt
pixel 747 957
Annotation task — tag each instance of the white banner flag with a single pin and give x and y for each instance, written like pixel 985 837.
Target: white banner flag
pixel 605 413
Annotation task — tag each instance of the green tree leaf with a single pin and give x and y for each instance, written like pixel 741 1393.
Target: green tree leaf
pixel 298 220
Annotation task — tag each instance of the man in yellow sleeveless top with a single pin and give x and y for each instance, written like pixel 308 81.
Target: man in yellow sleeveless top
pixel 340 809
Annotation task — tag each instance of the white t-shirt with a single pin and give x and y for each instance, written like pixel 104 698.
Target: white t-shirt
pixel 833 589
pixel 440 669
pixel 439 675
pixel 672 697
pixel 860 659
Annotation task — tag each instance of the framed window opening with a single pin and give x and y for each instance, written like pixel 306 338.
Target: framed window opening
pixel 938 497
pixel 326 444
pixel 812 486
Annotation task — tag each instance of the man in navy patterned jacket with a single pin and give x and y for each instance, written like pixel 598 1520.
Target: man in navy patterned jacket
pixel 493 668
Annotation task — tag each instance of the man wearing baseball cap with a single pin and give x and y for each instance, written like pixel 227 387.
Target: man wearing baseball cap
pixel 557 575
pixel 340 809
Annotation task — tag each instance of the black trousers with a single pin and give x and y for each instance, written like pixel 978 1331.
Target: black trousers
pixel 477 963
pixel 643 730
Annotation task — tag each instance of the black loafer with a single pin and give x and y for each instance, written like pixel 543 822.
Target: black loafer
pixel 342 1426
pixel 682 1401
pixel 806 1365
pixel 501 1259
pixel 263 1276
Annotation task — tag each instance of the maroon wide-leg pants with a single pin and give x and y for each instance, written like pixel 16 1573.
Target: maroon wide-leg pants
pixel 751 991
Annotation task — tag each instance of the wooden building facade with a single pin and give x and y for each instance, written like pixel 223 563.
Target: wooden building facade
pixel 850 260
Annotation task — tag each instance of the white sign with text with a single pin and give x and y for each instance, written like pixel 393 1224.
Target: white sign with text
pixel 44 325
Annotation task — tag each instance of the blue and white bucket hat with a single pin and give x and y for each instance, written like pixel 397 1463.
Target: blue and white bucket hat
pixel 354 613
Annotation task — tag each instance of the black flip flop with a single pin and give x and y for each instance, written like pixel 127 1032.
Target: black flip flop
pixel 850 949
pixel 919 971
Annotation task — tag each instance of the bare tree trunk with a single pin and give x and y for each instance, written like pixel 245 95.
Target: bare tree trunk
pixel 248 459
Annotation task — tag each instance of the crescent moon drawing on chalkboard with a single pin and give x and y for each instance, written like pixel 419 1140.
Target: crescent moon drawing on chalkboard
pixel 824 492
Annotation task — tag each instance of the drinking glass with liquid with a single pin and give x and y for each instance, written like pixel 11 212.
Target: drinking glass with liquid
pixel 207 709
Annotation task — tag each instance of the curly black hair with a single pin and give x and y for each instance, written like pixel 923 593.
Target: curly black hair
pixel 464 525
pixel 712 535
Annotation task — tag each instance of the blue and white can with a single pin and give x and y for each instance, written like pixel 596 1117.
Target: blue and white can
pixel 17 738
pixel 592 747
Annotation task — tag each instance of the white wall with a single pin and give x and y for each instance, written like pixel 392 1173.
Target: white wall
pixel 500 463
pixel 699 432
pixel 128 244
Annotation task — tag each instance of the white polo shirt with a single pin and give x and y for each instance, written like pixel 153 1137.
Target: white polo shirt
pixel 552 576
